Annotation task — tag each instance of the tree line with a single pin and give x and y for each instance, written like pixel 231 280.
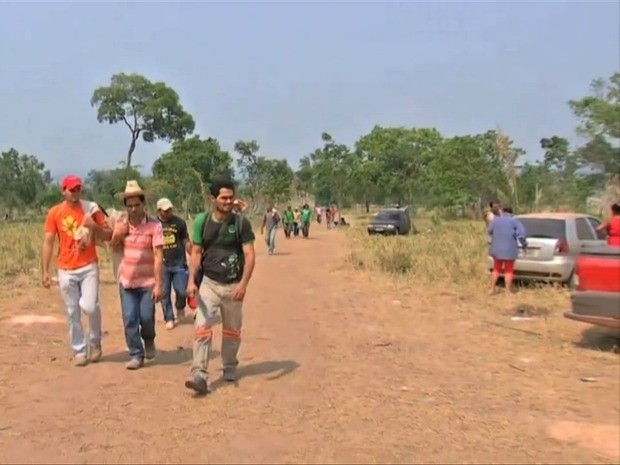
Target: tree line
pixel 414 166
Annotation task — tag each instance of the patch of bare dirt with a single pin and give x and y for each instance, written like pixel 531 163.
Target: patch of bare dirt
pixel 337 367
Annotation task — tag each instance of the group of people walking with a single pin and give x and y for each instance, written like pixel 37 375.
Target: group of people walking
pixel 294 221
pixel 154 261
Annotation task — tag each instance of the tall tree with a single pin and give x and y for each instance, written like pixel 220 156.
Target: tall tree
pixel 150 110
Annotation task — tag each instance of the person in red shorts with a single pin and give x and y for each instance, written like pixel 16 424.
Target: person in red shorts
pixel 507 234
pixel 612 226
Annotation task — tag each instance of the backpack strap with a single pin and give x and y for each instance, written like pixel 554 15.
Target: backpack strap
pixel 207 241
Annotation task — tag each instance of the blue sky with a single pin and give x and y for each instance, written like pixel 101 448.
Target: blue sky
pixel 282 73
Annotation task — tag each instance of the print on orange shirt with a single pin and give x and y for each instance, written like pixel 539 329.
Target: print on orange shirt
pixel 63 220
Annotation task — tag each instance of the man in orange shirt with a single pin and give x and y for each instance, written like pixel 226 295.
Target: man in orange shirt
pixel 76 222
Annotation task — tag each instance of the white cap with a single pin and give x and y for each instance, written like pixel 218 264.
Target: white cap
pixel 164 204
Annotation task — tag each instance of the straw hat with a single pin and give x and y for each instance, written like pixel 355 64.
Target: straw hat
pixel 132 189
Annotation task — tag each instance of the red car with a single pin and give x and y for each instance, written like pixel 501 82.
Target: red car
pixel 596 298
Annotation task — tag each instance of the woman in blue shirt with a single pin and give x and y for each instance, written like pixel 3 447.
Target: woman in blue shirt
pixel 506 233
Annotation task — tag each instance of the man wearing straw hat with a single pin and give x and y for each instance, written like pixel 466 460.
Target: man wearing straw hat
pixel 139 274
pixel 76 222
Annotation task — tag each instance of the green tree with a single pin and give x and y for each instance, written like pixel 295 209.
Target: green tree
pixel 276 179
pixel 567 188
pixel 150 110
pixel 190 166
pixel 400 156
pixel 265 179
pixel 25 180
pixel 103 186
pixel 599 113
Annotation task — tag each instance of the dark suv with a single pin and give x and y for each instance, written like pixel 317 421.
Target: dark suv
pixel 391 221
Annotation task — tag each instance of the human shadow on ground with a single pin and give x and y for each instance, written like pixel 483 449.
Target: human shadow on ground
pixel 599 339
pixel 278 369
pixel 176 356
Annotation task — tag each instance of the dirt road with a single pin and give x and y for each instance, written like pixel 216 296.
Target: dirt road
pixel 335 368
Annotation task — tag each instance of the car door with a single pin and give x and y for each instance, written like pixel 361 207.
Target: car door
pixel 586 235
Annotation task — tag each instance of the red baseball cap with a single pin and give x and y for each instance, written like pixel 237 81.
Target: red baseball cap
pixel 71 182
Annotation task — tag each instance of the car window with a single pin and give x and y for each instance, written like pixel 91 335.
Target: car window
pixel 544 228
pixel 601 235
pixel 388 216
pixel 584 231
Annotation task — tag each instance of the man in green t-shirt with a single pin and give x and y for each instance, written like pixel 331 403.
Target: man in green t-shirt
pixel 289 220
pixel 306 217
pixel 223 251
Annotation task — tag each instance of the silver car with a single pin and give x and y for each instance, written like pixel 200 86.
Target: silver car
pixel 553 242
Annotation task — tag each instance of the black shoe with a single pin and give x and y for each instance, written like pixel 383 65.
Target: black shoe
pixel 198 384
pixel 230 374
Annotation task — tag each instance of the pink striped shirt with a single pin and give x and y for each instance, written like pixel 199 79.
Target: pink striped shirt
pixel 137 267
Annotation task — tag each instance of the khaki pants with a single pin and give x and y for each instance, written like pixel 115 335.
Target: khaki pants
pixel 217 297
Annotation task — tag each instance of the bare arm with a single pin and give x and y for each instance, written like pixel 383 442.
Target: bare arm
pixel 603 226
pixel 250 261
pixel 159 264
pixel 187 244
pixel 195 257
pixel 48 248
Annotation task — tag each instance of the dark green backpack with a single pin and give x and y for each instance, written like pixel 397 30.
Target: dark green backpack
pixel 208 240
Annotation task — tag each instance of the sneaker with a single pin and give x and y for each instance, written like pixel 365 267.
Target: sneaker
pixel 95 353
pixel 170 324
pixel 135 363
pixel 149 350
pixel 198 384
pixel 230 374
pixel 80 360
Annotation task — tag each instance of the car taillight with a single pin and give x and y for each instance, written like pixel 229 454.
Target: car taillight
pixel 561 246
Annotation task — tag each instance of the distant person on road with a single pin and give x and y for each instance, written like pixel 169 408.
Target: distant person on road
pixel 271 220
pixel 612 226
pixel 507 234
pixel 335 216
pixel 77 264
pixel 139 274
pixel 319 214
pixel 296 222
pixel 306 219
pixel 328 217
pixel 223 251
pixel 176 246
pixel 289 219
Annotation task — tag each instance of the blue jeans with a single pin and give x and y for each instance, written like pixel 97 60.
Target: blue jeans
pixel 138 310
pixel 175 277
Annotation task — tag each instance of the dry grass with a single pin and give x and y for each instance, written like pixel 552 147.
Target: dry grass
pixel 451 252
pixel 448 260
pixel 20 249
